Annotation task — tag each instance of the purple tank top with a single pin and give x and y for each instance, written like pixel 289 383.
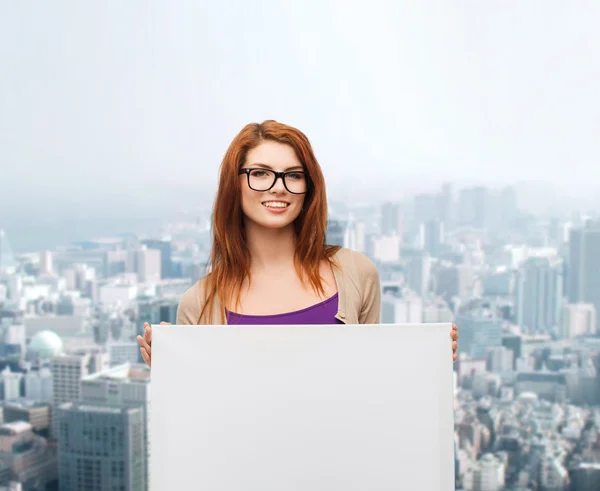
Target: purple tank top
pixel 321 313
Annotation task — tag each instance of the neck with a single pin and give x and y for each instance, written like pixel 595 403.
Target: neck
pixel 270 248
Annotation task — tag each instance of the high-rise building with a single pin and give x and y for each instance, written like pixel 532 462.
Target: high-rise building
pixel 418 274
pixel 46 262
pixel 488 474
pixel 500 360
pixel 148 264
pixel 355 235
pixel 431 237
pixel 38 385
pixel 584 266
pixel 11 383
pixel 425 207
pixel 7 258
pixel 390 219
pixel 67 372
pixel 474 207
pixel 480 330
pixel 166 260
pixel 336 232
pixel 539 294
pixel 120 387
pixel 402 308
pixel 101 448
pixel 578 320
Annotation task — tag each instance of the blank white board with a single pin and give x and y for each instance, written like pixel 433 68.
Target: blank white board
pixel 302 408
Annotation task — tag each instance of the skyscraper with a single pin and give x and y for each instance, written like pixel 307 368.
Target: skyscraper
pixel 67 372
pixel 336 232
pixel 390 219
pixel 584 266
pixel 538 294
pixel 480 330
pixel 432 236
pixel 123 386
pixel 7 258
pixel 166 260
pixel 101 447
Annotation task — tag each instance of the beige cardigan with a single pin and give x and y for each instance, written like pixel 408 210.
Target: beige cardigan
pixel 359 292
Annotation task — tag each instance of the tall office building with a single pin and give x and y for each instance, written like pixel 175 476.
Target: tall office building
pixel 336 232
pixel 114 408
pixel 578 320
pixel 7 258
pixel 445 206
pixel 474 207
pixel 154 311
pixel 418 274
pixel 584 266
pixel 355 235
pixel 148 264
pixel 390 219
pixel 166 260
pixel 539 294
pixel 67 372
pixel 405 307
pixel 123 386
pixel 101 448
pixel 431 237
pixel 11 384
pixel 479 332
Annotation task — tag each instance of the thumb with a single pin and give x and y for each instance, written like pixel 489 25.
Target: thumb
pixel 148 334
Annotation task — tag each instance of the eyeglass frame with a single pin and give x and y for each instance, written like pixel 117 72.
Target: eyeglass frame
pixel 278 175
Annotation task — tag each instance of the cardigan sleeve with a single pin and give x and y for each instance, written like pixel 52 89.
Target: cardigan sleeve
pixel 188 309
pixel 370 311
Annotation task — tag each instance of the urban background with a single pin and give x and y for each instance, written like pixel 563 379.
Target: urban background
pixel 461 153
pixel 523 291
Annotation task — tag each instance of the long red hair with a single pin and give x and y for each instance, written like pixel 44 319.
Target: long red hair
pixel 230 258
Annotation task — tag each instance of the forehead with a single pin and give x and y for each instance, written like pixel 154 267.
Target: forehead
pixel 277 156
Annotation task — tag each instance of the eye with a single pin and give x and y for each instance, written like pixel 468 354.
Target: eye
pixel 295 175
pixel 259 173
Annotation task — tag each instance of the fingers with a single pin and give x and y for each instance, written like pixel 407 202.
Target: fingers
pixel 145 355
pixel 454 333
pixel 163 323
pixel 144 344
pixel 454 337
pixel 148 333
pixel 145 350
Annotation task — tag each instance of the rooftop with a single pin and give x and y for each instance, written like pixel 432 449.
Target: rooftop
pixel 126 372
pixel 15 428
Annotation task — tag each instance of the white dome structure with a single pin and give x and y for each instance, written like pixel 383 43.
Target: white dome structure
pixel 44 346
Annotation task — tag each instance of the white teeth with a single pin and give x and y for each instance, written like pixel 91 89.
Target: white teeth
pixel 275 204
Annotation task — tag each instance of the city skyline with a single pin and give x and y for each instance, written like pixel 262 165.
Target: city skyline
pixel 521 290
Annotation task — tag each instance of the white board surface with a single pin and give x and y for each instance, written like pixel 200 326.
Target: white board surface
pixel 302 408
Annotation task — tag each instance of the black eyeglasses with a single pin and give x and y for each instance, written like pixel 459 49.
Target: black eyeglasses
pixel 296 182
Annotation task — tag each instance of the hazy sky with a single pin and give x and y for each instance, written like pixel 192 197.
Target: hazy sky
pixel 122 99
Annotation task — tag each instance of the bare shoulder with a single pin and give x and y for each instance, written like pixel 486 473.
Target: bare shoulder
pixel 356 262
pixel 188 310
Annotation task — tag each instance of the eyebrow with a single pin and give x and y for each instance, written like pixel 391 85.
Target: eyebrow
pixel 265 166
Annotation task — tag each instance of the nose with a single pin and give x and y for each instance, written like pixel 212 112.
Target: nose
pixel 278 187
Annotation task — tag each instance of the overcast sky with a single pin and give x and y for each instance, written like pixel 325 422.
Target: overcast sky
pixel 115 98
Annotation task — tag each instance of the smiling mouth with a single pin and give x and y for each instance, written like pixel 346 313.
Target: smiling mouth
pixel 275 204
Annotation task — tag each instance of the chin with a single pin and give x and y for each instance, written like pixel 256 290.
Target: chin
pixel 273 222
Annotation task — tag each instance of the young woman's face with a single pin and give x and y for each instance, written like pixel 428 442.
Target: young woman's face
pixel 276 207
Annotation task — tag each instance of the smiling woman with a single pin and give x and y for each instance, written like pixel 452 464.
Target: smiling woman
pixel 270 263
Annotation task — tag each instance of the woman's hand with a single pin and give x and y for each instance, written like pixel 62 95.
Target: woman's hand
pixel 146 342
pixel 454 336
